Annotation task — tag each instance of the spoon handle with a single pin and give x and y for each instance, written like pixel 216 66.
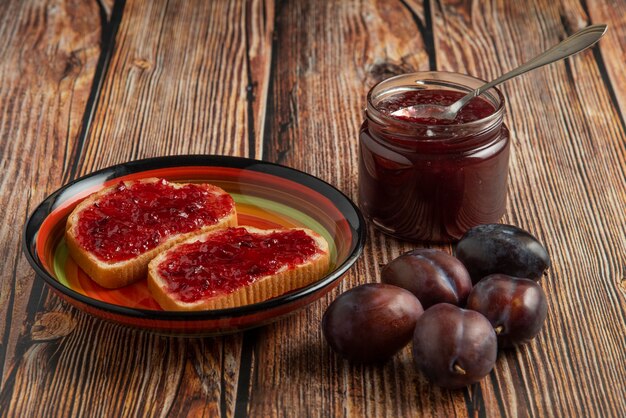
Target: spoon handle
pixel 579 41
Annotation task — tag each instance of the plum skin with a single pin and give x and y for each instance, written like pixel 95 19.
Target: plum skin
pixel 500 248
pixel 371 322
pixel 516 307
pixel 454 347
pixel 433 276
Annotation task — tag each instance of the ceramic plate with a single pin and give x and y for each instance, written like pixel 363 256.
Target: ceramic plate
pixel 267 196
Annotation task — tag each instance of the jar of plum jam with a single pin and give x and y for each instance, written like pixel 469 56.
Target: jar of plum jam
pixel 427 179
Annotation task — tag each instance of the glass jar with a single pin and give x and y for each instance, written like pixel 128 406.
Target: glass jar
pixel 423 181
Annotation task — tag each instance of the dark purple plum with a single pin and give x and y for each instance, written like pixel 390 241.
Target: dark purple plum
pixel 454 347
pixel 506 249
pixel 515 307
pixel 432 275
pixel 371 322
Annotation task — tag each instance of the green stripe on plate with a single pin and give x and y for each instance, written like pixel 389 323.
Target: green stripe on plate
pixel 58 264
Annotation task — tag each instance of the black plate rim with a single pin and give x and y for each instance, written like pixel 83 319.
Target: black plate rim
pixel 354 219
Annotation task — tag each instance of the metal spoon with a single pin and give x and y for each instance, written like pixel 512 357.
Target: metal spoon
pixel 579 41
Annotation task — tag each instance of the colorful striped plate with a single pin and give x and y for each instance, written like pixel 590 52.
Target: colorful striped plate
pixel 267 196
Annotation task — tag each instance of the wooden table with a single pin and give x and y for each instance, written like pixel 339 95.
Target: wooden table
pixel 88 84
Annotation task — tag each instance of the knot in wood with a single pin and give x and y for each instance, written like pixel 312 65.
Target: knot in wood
pixel 142 63
pixel 385 69
pixel 51 326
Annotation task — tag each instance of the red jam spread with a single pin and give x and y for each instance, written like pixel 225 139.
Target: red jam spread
pixel 477 108
pixel 232 259
pixel 431 179
pixel 137 218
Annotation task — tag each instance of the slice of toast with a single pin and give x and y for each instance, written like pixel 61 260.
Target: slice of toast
pixel 213 254
pixel 114 273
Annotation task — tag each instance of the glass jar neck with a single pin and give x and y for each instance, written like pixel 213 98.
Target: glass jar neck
pixel 438 138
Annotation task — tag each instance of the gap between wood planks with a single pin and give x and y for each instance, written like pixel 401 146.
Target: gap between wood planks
pixel 109 32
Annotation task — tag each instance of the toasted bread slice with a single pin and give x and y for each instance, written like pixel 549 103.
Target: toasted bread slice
pixel 118 273
pixel 247 288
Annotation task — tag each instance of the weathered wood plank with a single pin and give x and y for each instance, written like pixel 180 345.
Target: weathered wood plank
pixel 568 148
pixel 185 77
pixel 613 51
pixel 259 32
pixel 49 54
pixel 182 81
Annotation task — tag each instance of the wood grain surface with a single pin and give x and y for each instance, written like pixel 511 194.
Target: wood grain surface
pixel 86 84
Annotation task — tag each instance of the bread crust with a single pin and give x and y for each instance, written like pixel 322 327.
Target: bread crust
pixel 263 288
pixel 122 273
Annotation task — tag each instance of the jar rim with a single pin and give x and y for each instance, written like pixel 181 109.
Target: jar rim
pixel 432 76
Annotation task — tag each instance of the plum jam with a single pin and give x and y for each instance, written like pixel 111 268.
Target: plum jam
pixel 134 219
pixel 232 259
pixel 478 108
pixel 427 179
